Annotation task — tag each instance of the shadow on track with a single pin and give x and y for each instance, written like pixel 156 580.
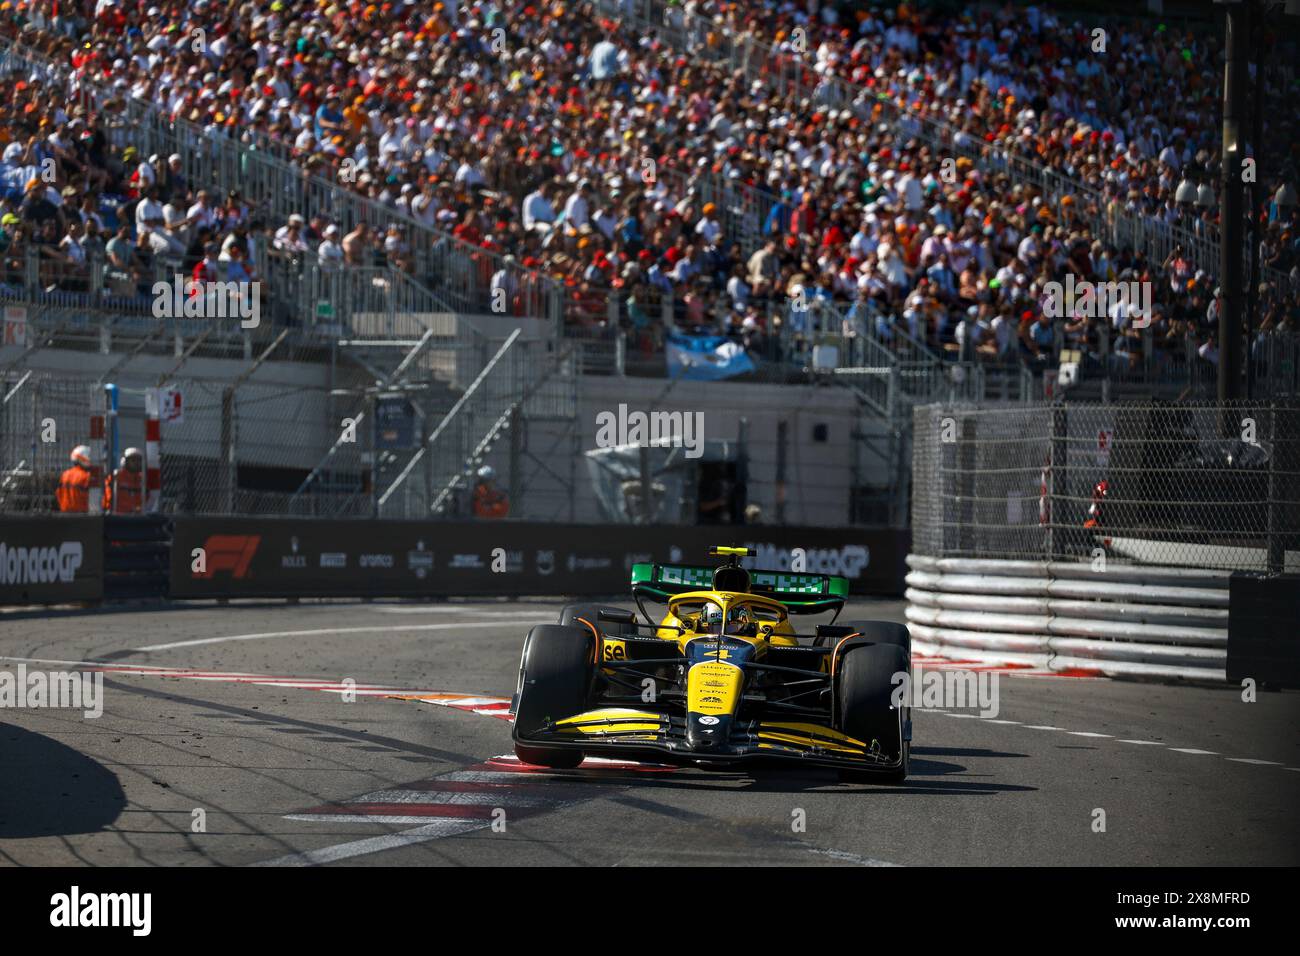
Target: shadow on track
pixel 51 789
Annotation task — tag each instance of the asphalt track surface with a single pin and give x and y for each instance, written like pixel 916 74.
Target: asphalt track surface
pixel 286 771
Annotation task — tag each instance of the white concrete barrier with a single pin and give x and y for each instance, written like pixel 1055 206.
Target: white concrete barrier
pixel 1132 621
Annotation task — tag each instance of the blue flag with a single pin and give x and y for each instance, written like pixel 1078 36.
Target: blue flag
pixel 706 357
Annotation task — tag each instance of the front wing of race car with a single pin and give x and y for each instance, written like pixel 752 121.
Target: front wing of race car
pixel 662 737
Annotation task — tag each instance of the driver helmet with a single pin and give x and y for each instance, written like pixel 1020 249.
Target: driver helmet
pixel 711 618
pixel 738 617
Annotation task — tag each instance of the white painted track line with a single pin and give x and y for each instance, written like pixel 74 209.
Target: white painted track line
pixel 317 632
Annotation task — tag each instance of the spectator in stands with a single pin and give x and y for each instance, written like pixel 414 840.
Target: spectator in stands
pixel 123 273
pixel 397 251
pixel 173 186
pixel 290 238
pixel 168 241
pixel 357 249
pixel 209 268
pixel 37 209
pixel 71 245
pixel 238 268
pixel 149 215
pixel 329 253
pixel 853 194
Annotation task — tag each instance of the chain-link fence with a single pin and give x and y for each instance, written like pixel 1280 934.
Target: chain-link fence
pixel 41 421
pixel 300 440
pixel 230 450
pixel 1188 484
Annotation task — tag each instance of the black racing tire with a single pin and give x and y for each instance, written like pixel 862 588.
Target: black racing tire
pixel 591 613
pixel 883 632
pixel 864 688
pixel 554 682
pixel 552 757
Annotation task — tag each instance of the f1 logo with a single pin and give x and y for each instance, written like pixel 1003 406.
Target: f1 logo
pixel 229 552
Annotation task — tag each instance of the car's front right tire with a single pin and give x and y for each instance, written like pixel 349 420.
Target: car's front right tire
pixel 865 682
pixel 554 682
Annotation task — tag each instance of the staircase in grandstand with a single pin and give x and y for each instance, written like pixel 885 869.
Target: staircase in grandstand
pixel 524 380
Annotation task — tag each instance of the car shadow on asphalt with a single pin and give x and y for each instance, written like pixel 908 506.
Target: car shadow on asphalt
pixel 50 789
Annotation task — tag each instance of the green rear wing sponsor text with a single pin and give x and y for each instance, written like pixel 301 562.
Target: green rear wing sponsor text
pixel 799 591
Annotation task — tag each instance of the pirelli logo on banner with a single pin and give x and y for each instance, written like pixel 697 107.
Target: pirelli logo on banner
pixel 228 552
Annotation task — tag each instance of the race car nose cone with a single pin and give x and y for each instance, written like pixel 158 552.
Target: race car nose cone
pixel 706 732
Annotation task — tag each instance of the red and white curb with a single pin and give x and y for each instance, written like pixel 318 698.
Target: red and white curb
pixel 489 706
pixel 932 663
pixel 463 801
pixel 486 706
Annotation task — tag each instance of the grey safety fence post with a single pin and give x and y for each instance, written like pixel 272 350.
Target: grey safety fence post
pixel 516 486
pixel 967 469
pixel 1057 479
pixel 226 453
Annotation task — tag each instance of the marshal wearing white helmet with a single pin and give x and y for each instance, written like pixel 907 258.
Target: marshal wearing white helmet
pixel 489 501
pixel 73 493
pixel 124 488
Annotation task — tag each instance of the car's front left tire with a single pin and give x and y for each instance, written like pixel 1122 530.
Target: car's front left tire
pixel 554 682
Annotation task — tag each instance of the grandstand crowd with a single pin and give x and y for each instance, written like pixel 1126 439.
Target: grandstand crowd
pixel 565 141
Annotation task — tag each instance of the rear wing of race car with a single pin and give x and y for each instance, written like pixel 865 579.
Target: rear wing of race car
pixel 800 592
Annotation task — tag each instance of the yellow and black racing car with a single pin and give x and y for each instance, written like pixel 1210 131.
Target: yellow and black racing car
pixel 721 679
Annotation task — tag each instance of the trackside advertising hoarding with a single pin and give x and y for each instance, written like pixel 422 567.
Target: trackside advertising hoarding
pixel 1263 639
pixel 52 559
pixel 292 557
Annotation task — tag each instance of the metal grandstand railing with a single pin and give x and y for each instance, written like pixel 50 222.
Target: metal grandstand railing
pixel 317 305
pixel 793 74
pixel 742 208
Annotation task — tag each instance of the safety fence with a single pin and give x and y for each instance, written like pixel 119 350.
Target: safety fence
pixel 300 441
pixel 1176 369
pixel 315 303
pixel 1097 537
pixel 1070 617
pixel 516 382
pixel 223 449
pixel 41 421
pixel 1192 484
